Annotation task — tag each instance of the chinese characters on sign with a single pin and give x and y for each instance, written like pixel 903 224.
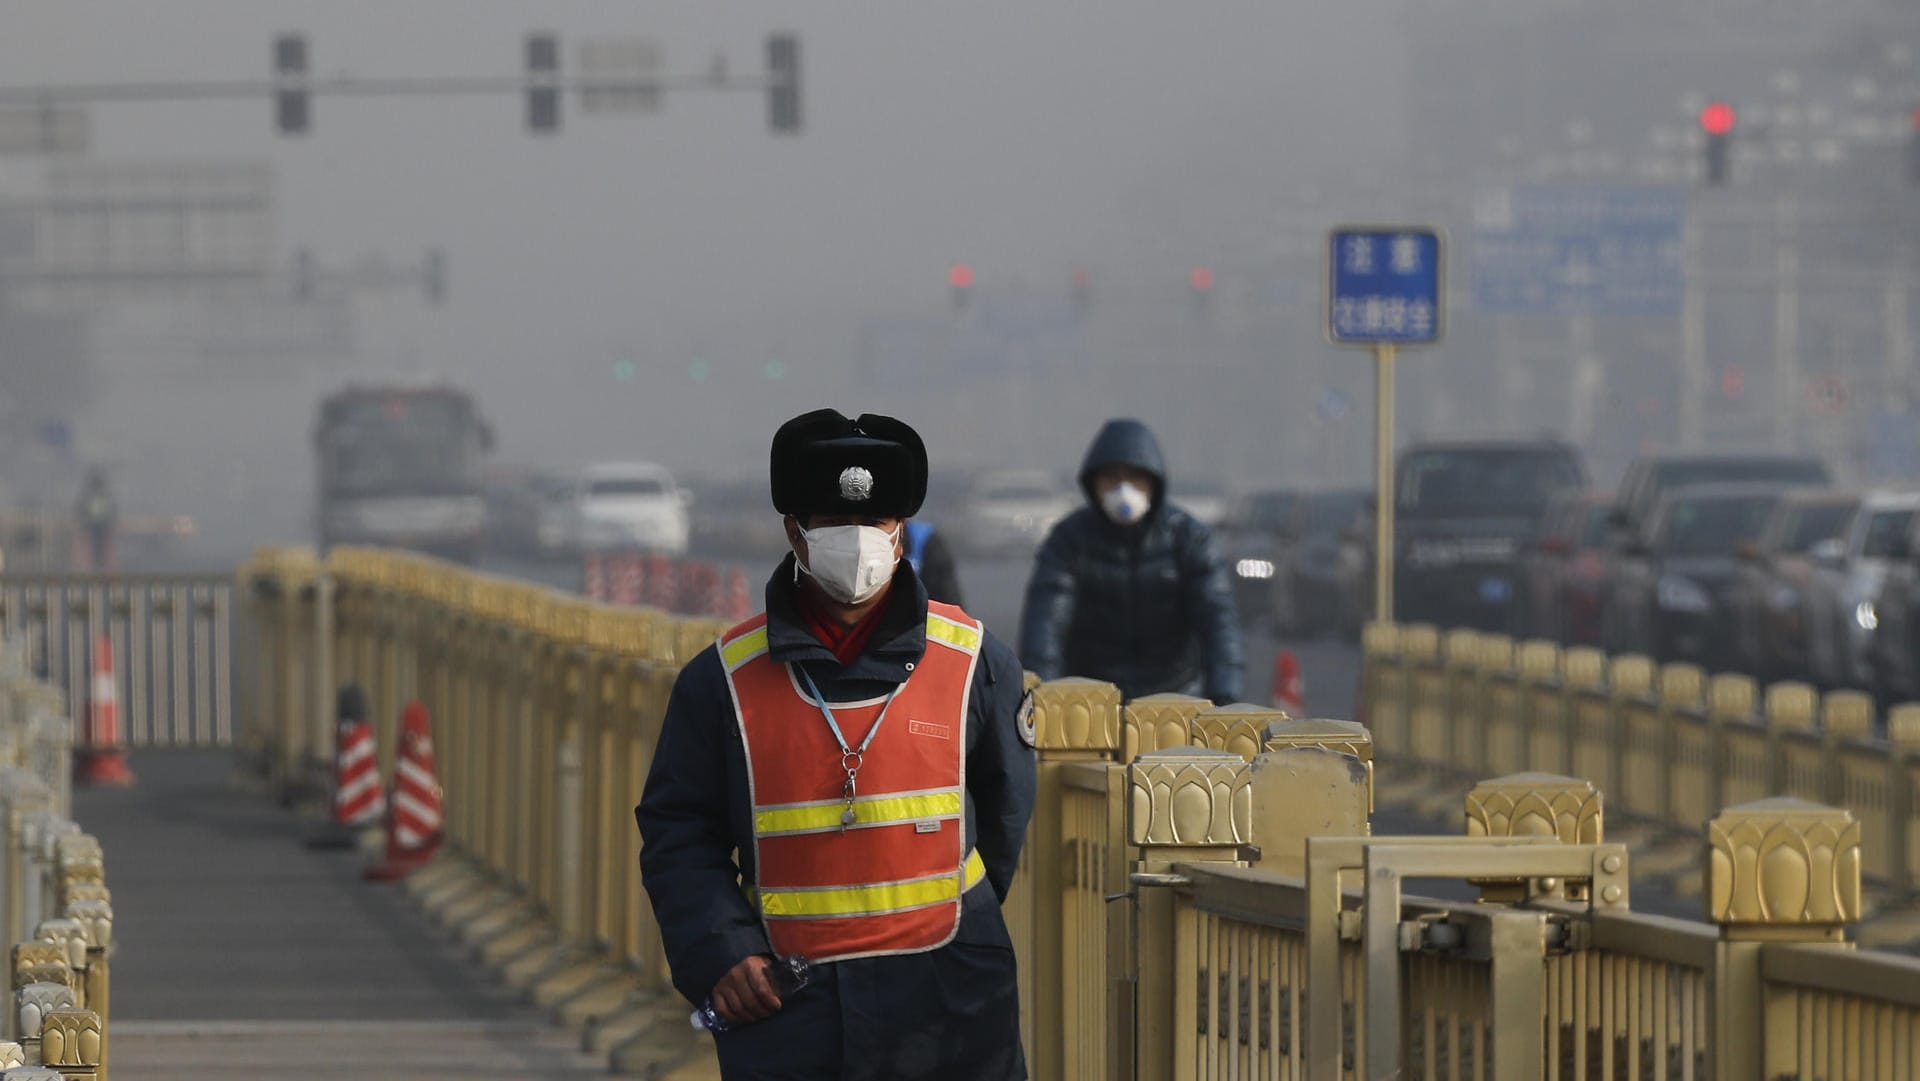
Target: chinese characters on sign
pixel 1385 286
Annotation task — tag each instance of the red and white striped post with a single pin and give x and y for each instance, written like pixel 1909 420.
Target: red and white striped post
pixel 102 759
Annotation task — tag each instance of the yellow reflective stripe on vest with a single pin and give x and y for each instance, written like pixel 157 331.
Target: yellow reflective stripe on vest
pixel 871 811
pixel 954 634
pixel 838 901
pixel 744 648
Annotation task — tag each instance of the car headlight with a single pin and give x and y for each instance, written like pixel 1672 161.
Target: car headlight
pixel 1677 594
pixel 1865 616
pixel 1254 568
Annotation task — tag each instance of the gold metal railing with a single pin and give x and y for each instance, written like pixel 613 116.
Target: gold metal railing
pixel 55 911
pixel 1668 744
pixel 1198 897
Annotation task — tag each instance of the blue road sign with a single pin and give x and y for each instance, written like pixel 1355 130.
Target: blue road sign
pixel 1545 249
pixel 1385 285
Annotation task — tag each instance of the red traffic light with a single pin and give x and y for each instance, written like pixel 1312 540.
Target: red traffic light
pixel 1733 381
pixel 1717 118
pixel 961 276
pixel 1201 279
pixel 1082 278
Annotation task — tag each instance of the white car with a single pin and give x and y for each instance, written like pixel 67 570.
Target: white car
pixel 1010 511
pixel 631 505
pixel 1846 578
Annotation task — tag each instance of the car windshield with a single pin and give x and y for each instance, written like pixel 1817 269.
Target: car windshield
pixel 1884 530
pixel 1597 525
pixel 1268 511
pixel 626 486
pixel 1816 523
pixel 1328 513
pixel 1501 480
pixel 1728 470
pixel 1714 526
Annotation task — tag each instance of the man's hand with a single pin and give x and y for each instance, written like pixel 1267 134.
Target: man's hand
pixel 746 992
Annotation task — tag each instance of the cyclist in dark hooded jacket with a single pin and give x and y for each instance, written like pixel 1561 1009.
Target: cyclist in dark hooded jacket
pixel 1130 588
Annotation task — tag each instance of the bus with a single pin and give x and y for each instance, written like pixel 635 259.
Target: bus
pixel 401 466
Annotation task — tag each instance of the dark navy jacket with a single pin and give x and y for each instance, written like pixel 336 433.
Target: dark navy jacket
pixel 948 1013
pixel 1146 606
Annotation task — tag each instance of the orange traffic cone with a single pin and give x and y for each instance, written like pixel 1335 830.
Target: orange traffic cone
pixel 358 800
pixel 102 760
pixel 1289 690
pixel 413 823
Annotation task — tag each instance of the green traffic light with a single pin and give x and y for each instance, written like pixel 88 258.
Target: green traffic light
pixel 625 370
pixel 776 369
pixel 699 370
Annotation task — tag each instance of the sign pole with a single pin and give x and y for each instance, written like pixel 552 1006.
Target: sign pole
pixel 1383 357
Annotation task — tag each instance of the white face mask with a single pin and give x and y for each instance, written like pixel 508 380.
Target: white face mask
pixel 1126 503
pixel 851 562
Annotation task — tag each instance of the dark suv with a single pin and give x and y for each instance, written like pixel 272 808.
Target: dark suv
pixel 1463 513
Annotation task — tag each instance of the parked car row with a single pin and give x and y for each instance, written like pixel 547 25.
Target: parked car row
pixel 1747 563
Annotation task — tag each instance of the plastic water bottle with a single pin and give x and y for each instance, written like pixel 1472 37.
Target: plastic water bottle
pixel 789 974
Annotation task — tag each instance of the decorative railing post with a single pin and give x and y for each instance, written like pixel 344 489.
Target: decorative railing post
pixel 1157 722
pixel 1778 870
pixel 34 1004
pixel 1315 779
pixel 1185 805
pixel 21 794
pixel 1074 720
pixel 1903 781
pixel 1240 728
pixel 1533 805
pixel 74 1042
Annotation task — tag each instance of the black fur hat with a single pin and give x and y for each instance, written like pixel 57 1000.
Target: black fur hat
pixel 824 463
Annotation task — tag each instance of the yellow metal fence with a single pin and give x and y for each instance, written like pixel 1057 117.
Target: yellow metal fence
pixel 1669 745
pixel 1199 896
pixel 55 910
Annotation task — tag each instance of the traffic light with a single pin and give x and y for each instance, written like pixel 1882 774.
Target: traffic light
pixel 1200 284
pixel 1733 381
pixel 292 109
pixel 543 83
pixel 960 280
pixel 1717 120
pixel 303 275
pixel 1082 292
pixel 783 83
pixel 435 275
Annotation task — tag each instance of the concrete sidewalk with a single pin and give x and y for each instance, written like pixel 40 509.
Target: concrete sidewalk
pixel 238 948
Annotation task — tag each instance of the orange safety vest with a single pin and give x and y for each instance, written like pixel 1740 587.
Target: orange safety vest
pixel 891 881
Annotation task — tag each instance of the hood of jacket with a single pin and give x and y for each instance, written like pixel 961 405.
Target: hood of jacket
pixel 1125 442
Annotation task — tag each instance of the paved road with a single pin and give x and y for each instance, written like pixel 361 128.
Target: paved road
pixel 241 952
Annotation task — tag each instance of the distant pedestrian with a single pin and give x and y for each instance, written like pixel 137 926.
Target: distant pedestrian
pixel 96 515
pixel 933 560
pixel 1130 588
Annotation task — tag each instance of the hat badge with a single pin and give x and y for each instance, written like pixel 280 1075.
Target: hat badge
pixel 856 484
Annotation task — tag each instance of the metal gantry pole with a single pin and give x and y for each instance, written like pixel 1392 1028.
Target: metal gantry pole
pixel 1383 356
pixel 1786 326
pixel 1693 337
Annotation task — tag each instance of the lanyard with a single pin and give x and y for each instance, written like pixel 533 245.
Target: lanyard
pixel 851 759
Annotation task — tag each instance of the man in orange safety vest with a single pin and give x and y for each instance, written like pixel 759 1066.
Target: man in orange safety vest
pixel 839 795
